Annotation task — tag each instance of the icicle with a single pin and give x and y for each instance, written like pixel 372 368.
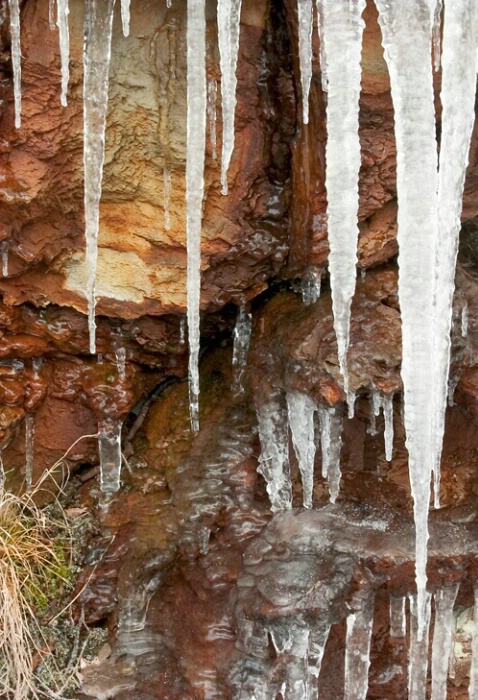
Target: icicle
pixel 212 114
pixel 304 9
pixel 311 285
pixel 357 649
pixel 5 247
pixel 388 415
pixel 37 363
pixel 442 639
pixel 301 409
pixel 350 404
pixel 125 16
pixel 398 620
pixel 296 670
pixel 96 59
pixel 452 384
pixel 436 33
pixel 120 354
pixel 317 641
pixel 342 35
pixel 320 32
pixel 458 88
pixel 242 338
pixel 109 444
pixel 418 664
pixel 331 443
pixel 196 143
pixel 464 320
pixel 16 59
pixel 274 459
pixel 372 428
pixel 167 198
pixel 182 330
pixel 29 449
pixel 100 358
pixel 51 14
pixel 169 4
pixel 228 25
pixel 62 22
pixel 406 38
pixel 473 690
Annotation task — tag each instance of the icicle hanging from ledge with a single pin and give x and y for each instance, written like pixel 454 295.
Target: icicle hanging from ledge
pixel 125 16
pixel 96 59
pixel 63 30
pixel 16 59
pixel 342 38
pixel 196 144
pixel 228 24
pixel 305 16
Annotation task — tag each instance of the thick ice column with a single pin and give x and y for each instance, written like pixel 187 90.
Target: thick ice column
pixel 342 37
pixel 460 42
pixel 228 25
pixel 274 459
pixel 406 31
pixel 305 16
pixel 109 444
pixel 297 668
pixel 196 143
pixel 442 639
pixel 242 339
pixel 63 30
pixel 16 59
pixel 330 421
pixel 418 664
pixel 125 16
pixel 96 59
pixel 301 410
pixel 357 649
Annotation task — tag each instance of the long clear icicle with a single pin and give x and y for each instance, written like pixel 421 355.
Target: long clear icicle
pixel 64 33
pixel 16 59
pixel 301 409
pixel 442 639
pixel 357 649
pixel 125 16
pixel 418 664
pixel 274 459
pixel 388 416
pixel 342 36
pixel 228 25
pixel 305 17
pixel 196 144
pixel 460 42
pixel 406 31
pixel 96 59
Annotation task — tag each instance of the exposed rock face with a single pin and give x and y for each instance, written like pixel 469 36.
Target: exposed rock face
pixel 176 568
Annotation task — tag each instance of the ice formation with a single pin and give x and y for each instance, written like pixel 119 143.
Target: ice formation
pixel 388 416
pixel 64 33
pixel 442 639
pixel 311 285
pixel 398 618
pixel 357 647
pixel 196 143
pixel 125 16
pixel 274 459
pixel 109 447
pixel 342 37
pixel 4 249
pixel 228 25
pixel 305 16
pixel 16 59
pixel 330 422
pixel 29 449
pixel 212 114
pixel 301 410
pixel 242 339
pixel 167 197
pixel 96 58
pixel 51 14
pixel 418 663
pixel 407 46
pixel 464 320
pixel 120 355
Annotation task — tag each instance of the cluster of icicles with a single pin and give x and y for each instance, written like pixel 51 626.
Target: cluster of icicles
pixel 429 188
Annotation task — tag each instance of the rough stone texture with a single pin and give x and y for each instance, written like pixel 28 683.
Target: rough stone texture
pixel 167 568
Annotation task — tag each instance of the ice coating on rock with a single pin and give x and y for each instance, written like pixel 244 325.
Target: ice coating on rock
pixel 64 34
pixel 473 688
pixel 305 16
pixel 51 14
pixel 125 16
pixel 464 320
pixel 228 27
pixel 29 449
pixel 212 114
pixel 242 339
pixel 96 60
pixel 301 409
pixel 388 416
pixel 357 647
pixel 418 663
pixel 406 37
pixel 120 355
pixel 297 668
pixel 5 247
pixel 16 59
pixel 319 635
pixel 311 285
pixel 182 330
pixel 167 197
pixel 342 36
pixel 330 421
pixel 109 447
pixel 196 143
pixel 398 619
pixel 274 459
pixel 442 639
pixel 460 41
